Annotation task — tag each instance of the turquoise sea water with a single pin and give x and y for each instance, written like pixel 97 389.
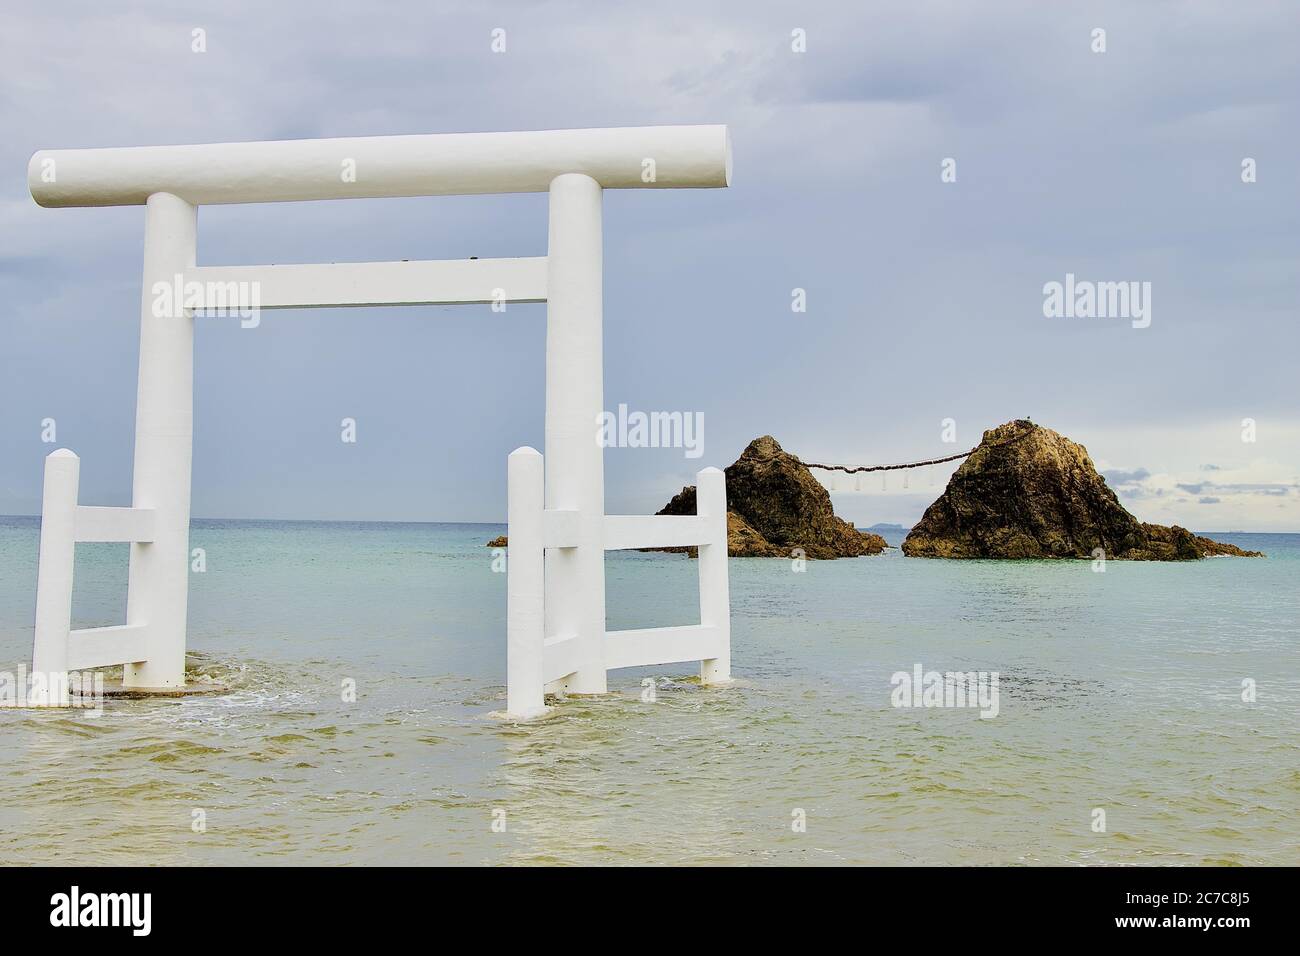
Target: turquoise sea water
pixel 1120 691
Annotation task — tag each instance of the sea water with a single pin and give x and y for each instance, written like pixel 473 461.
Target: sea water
pixel 1120 691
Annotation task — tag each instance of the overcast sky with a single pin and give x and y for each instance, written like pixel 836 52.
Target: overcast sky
pixel 924 298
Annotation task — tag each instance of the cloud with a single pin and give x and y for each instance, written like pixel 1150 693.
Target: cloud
pixel 1201 487
pixel 1208 501
pixel 1119 476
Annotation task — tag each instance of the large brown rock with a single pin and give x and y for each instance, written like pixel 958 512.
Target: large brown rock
pixel 775 505
pixel 1028 492
pixel 744 542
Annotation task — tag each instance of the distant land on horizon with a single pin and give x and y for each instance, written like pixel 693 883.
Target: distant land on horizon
pixel 881 528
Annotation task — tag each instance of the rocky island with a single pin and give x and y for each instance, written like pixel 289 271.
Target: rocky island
pixel 775 505
pixel 1024 492
pixel 1029 492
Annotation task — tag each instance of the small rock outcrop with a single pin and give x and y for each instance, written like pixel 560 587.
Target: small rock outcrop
pixel 500 541
pixel 774 505
pixel 1029 492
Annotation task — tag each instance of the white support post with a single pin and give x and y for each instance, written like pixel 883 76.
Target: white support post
pixel 525 585
pixel 575 477
pixel 158 589
pixel 54 580
pixel 715 597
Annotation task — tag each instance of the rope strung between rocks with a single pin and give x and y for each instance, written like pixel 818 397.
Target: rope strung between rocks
pixel 911 464
pixel 848 470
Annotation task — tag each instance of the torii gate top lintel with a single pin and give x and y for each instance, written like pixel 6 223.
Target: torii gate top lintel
pixel 435 164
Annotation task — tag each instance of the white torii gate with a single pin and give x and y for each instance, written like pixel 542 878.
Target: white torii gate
pixel 558 528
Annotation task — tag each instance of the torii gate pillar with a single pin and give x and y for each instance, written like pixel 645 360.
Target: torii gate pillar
pixel 158 580
pixel 575 473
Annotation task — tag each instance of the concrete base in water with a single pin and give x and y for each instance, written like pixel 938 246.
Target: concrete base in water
pixel 115 688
